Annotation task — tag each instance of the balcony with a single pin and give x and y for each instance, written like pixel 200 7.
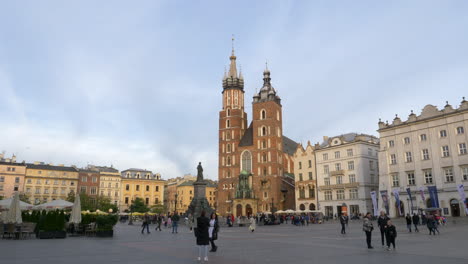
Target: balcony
pixel 337 173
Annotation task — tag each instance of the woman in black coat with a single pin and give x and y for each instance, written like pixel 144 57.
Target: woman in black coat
pixel 203 237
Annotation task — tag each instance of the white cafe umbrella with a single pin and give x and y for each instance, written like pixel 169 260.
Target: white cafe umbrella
pixel 14 214
pixel 5 204
pixel 289 211
pixel 55 204
pixel 75 216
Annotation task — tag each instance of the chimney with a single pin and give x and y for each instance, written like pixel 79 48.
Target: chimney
pixel 60 165
pixel 325 138
pixel 13 158
pixel 37 162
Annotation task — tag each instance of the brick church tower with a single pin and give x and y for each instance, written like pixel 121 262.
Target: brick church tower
pixel 255 162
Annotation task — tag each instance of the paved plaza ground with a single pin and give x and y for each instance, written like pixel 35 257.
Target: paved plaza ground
pixel 269 244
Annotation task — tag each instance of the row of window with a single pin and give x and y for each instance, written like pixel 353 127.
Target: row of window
pixel 93 190
pixel 46 191
pixel 349 153
pixel 423 137
pixel 301 178
pixel 40 172
pixel 116 194
pixel 340 195
pixel 47 181
pixel 302 192
pixel 11 169
pixel 445 152
pixel 17 179
pixel 147 176
pixel 309 164
pixel 109 185
pixel 448 174
pixel 85 179
pixel 137 188
pixel 15 188
pixel 228 186
pixel 156 200
pixel 326 168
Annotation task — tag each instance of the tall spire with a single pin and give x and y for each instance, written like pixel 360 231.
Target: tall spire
pixel 233 67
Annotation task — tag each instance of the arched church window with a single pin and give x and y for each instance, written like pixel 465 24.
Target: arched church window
pixel 247 161
pixel 264 171
pixel 228 135
pixel 228 123
pixel 229 112
pixel 229 161
pixel 264 145
pixel 264 157
pixel 228 148
pixel 264 131
pixel 263 114
pixel 229 174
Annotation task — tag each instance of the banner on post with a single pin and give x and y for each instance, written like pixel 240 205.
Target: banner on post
pixel 396 193
pixel 384 195
pixel 434 196
pixel 421 191
pixel 408 190
pixel 374 203
pixel 461 191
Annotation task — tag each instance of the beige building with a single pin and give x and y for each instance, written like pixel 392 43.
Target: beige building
pixel 305 178
pixel 138 183
pixel 347 171
pixel 170 190
pixel 47 182
pixel 11 176
pixel 429 149
pixel 109 183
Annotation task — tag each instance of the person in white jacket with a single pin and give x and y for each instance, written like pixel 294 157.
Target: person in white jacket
pixel 252 224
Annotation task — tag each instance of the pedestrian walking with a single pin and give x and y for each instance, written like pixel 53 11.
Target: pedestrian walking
pixel 175 222
pixel 158 222
pixel 213 231
pixel 435 225
pixel 145 224
pixel 169 221
pixel 391 234
pixel 343 224
pixel 190 222
pixel 408 222
pixel 253 224
pixel 202 235
pixel 416 222
pixel 367 227
pixel 382 224
pixel 430 225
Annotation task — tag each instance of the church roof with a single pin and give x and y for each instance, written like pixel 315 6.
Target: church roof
pixel 289 146
pixel 247 138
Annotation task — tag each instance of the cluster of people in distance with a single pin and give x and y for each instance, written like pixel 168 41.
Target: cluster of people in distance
pixel 172 220
pixel 388 232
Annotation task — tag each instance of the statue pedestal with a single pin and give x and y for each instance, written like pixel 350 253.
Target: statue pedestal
pixel 199 202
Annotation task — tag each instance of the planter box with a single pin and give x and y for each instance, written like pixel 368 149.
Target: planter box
pixel 52 234
pixel 46 234
pixel 105 233
pixel 60 234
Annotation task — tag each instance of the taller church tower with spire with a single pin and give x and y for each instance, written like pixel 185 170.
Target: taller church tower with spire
pixel 255 162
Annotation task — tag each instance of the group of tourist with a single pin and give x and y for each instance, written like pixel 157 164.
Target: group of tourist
pixel 171 220
pixel 388 231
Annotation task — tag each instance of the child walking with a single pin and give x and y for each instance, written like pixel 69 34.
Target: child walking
pixel 390 234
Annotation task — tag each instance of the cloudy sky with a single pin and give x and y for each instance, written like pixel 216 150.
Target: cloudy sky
pixel 138 83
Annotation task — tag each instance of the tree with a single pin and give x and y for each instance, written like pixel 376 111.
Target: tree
pixel 104 203
pixel 71 197
pixel 159 208
pixel 24 198
pixel 138 205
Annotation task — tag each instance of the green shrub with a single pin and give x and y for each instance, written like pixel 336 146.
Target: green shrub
pixel 106 222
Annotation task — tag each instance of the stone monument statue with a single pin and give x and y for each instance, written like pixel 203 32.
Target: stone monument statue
pixel 199 202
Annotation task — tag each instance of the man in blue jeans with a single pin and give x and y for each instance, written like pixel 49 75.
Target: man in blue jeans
pixel 175 222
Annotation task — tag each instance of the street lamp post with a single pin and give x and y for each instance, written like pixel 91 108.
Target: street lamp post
pixel 130 222
pixel 175 203
pixel 407 200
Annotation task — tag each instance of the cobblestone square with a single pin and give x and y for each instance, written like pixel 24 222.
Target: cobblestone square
pixel 268 244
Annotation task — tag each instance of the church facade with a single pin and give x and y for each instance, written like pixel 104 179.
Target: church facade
pixel 255 160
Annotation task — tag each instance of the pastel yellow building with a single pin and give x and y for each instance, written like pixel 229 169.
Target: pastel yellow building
pixel 11 176
pixel 185 192
pixel 138 183
pixel 46 182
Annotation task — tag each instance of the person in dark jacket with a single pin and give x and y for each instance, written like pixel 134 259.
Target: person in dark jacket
pixel 203 237
pixel 367 227
pixel 390 234
pixel 382 224
pixel 343 224
pixel 408 222
pixel 158 222
pixel 175 222
pixel 145 224
pixel 213 231
pixel 430 225
pixel 416 222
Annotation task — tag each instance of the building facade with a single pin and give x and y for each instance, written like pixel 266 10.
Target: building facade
pixel 347 171
pixel 47 182
pixel 11 176
pixel 170 191
pixel 305 176
pixel 185 192
pixel 425 151
pixel 138 183
pixel 109 183
pixel 88 183
pixel 259 150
